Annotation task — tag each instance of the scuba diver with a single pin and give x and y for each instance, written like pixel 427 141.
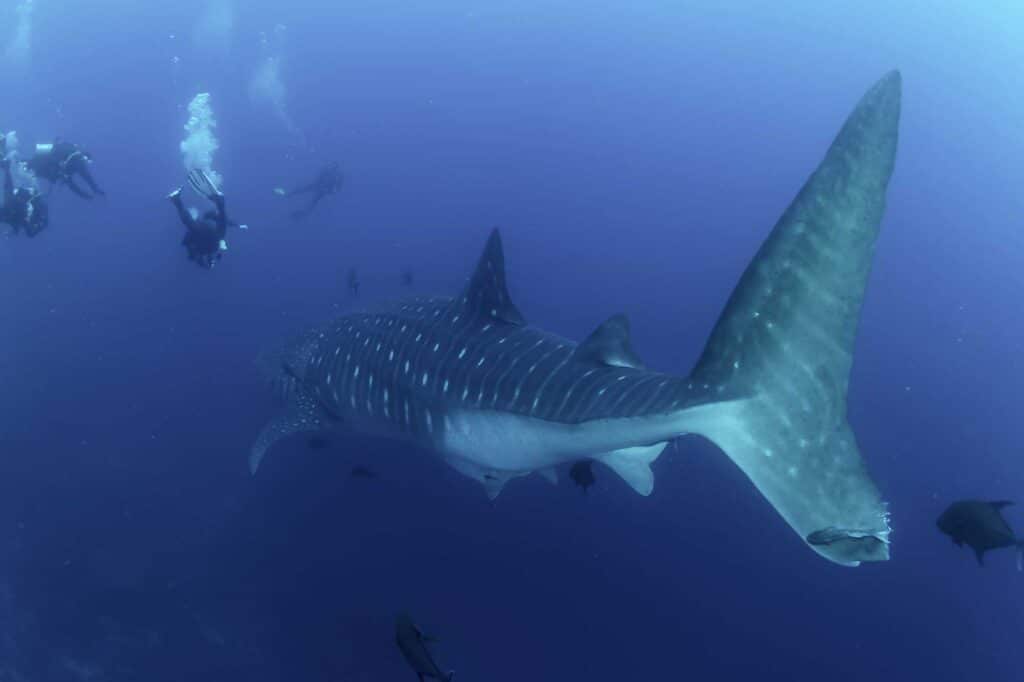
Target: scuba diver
pixel 329 181
pixel 60 162
pixel 23 208
pixel 204 239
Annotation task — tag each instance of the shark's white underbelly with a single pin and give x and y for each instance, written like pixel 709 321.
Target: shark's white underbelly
pixel 508 442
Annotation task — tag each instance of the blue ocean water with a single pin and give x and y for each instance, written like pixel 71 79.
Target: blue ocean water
pixel 634 157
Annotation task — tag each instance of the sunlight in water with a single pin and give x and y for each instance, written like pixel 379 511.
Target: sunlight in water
pixel 265 86
pixel 21 44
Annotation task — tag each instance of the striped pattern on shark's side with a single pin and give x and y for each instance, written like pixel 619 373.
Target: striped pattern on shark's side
pixel 420 357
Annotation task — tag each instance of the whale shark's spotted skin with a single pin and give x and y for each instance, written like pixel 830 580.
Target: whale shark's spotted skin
pixel 468 378
pixel 409 366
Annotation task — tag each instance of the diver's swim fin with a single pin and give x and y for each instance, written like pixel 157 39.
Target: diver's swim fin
pixel 202 184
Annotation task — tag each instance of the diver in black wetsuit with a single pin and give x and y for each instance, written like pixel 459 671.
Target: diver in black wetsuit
pixel 328 182
pixel 204 239
pixel 23 208
pixel 353 282
pixel 61 162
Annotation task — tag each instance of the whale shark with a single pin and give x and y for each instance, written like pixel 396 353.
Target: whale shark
pixel 469 379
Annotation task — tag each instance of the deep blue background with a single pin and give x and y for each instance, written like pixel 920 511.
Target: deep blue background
pixel 634 158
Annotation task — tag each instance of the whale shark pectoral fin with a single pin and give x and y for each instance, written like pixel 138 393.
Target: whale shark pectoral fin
pixel 634 465
pixel 550 474
pixel 424 637
pixel 302 415
pixel 279 427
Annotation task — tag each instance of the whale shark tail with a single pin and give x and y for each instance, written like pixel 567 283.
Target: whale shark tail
pixel 776 367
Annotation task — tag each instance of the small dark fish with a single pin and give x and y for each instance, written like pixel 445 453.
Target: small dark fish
pixel 359 471
pixel 980 525
pixel 407 277
pixel 353 282
pixel 582 473
pixel 318 443
pixel 413 644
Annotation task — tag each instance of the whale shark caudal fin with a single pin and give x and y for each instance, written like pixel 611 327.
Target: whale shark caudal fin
pixel 776 367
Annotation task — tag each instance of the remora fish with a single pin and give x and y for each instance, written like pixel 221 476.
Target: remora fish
pixel 582 474
pixel 468 378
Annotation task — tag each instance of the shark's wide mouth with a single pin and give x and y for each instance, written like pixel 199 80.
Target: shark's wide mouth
pixel 851 546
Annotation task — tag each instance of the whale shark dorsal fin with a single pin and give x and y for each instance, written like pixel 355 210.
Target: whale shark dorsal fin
pixel 485 297
pixel 609 345
pixel 634 465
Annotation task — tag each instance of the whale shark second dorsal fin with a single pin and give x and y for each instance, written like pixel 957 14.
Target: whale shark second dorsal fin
pixel 486 295
pixel 609 345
